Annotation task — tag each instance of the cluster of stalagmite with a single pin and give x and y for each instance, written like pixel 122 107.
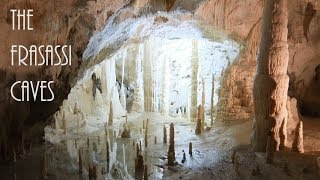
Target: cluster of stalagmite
pixel 297 144
pixel 171 152
pixel 271 81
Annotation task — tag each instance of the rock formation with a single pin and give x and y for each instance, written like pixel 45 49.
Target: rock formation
pixel 271 81
pixel 297 144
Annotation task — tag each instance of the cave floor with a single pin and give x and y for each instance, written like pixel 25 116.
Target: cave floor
pixel 211 157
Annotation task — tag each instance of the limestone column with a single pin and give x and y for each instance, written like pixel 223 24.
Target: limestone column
pixel 271 81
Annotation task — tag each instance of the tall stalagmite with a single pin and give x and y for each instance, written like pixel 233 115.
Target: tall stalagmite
pixel 194 80
pixel 212 101
pixel 110 121
pixel 203 102
pixel 171 143
pixel 164 135
pixel 271 81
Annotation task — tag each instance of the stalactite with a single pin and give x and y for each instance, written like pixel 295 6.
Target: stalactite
pixel 194 80
pixel 297 144
pixel 164 135
pixel 146 138
pixel 271 81
pixel 190 148
pixel 212 102
pixel 110 120
pixel 155 140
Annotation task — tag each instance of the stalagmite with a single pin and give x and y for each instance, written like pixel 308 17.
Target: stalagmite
pixel 271 81
pixel 64 123
pixel 203 103
pixel 88 142
pixel 140 147
pixel 124 156
pixel 190 148
pixel 43 167
pixel 171 159
pixel 203 99
pixel 80 162
pixel 146 138
pixel 75 143
pixel 14 154
pixel 283 134
pixel 145 176
pixel 137 150
pixel 164 135
pixel 297 144
pixel 199 127
pixel 143 124
pixel 110 120
pixel 194 80
pixel 108 150
pixel 75 109
pixel 184 157
pixel 171 152
pixel 155 140
pixel 212 102
pixel 270 149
